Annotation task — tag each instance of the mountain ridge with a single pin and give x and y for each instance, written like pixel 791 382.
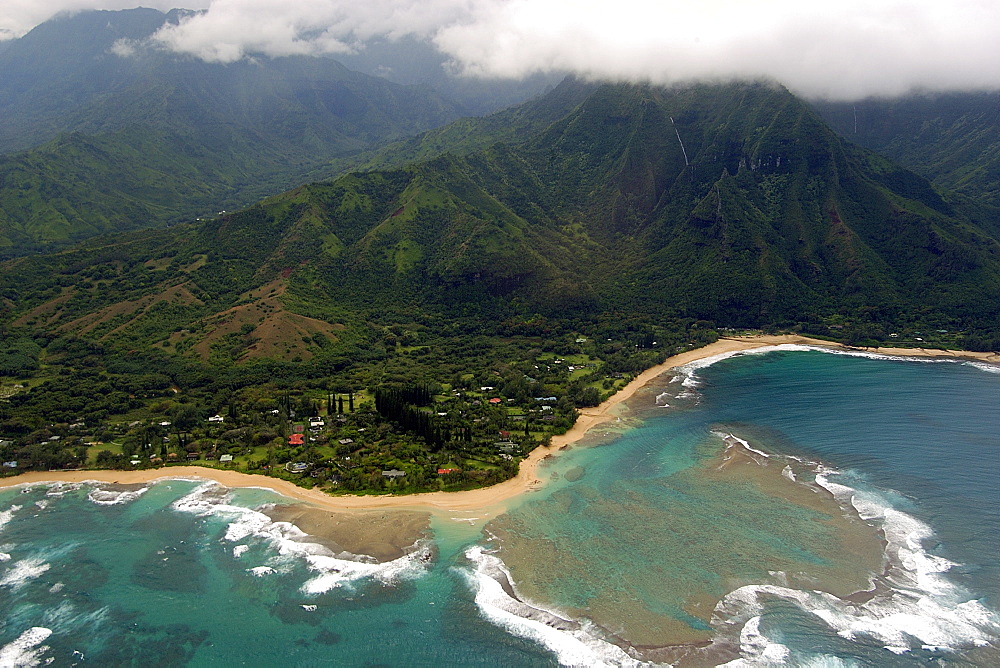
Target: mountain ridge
pixel 734 204
pixel 207 136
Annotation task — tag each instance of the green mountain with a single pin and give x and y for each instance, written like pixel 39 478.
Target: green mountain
pixel 599 230
pixel 952 139
pixel 149 138
pixel 734 204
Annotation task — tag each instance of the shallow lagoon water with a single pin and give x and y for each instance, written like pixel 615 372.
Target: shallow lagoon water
pixel 640 535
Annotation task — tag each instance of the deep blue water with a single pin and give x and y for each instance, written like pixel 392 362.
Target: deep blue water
pixel 180 576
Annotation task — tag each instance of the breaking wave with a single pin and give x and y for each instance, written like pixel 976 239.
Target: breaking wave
pixel 573 643
pixel 333 570
pixel 27 650
pixel 7 515
pixel 22 572
pixel 911 606
pixel 114 497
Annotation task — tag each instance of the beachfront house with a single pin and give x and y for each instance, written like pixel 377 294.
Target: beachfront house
pixel 392 474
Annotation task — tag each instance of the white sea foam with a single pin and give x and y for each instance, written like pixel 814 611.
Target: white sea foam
pixel 239 550
pixel 62 488
pixel 261 571
pixel 68 618
pixel 757 649
pixel 732 439
pixel 21 572
pixel 334 570
pixel 109 497
pixel 27 650
pixel 308 607
pixel 919 608
pixel 984 366
pixel 4 557
pixel 787 472
pixel 7 515
pixel 573 643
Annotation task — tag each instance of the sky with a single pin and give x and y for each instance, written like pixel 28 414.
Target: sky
pixel 840 49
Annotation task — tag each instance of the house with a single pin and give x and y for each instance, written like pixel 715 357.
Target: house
pixel 193 456
pixel 296 439
pixel 10 465
pixel 495 401
pixel 296 467
pixel 392 474
pixel 346 441
pixel 447 471
pixel 216 418
pixel 316 423
pixel 225 459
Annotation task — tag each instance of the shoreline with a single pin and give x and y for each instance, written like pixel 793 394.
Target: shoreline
pixel 494 498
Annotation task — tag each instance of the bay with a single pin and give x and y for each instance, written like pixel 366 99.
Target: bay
pixel 626 552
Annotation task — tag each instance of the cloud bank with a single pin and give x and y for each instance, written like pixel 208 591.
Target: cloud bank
pixel 19 16
pixel 843 49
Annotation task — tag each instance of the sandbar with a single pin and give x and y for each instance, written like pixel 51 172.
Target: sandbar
pixel 385 536
pixel 491 500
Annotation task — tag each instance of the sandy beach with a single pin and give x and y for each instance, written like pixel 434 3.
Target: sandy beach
pixel 490 499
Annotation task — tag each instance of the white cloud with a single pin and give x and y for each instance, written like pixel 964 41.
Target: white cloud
pixel 846 48
pixel 233 29
pixel 19 16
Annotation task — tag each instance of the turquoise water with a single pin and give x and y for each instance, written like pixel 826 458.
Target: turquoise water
pixel 635 539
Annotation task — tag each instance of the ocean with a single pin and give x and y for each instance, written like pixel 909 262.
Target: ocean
pixel 792 507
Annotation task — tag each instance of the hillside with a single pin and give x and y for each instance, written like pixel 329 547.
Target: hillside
pixel 111 140
pixel 486 293
pixel 952 139
pixel 734 204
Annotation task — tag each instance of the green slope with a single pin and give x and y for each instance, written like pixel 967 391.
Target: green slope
pixel 150 138
pixel 953 139
pixel 734 204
